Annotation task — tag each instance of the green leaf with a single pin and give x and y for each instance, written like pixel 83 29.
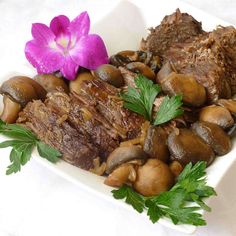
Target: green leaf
pixel 148 93
pixel 185 215
pixel 9 143
pixel 174 204
pixel 50 153
pixel 22 144
pixel 16 131
pixel 135 199
pixel 26 153
pixel 173 199
pixel 194 172
pixel 120 193
pixel 141 100
pixel 131 197
pixel 15 157
pixel 169 109
pixel 199 201
pixel 134 103
pixel 153 211
pixel 205 191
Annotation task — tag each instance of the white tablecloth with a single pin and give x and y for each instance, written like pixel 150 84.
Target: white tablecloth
pixel 36 202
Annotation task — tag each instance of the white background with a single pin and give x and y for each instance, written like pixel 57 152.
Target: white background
pixel 36 202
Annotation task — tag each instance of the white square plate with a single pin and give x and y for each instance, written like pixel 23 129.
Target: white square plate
pixel 122 24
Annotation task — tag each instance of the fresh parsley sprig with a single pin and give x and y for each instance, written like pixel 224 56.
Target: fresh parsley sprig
pixel 190 188
pixel 22 143
pixel 141 99
pixel 169 109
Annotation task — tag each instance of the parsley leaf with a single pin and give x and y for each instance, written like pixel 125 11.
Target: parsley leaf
pixel 174 204
pixel 132 198
pixel 169 109
pixel 22 144
pixel 48 152
pixel 193 181
pixel 141 99
pixel 15 160
pixel 153 211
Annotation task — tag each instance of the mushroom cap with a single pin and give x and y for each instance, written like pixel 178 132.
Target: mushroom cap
pixel 51 82
pixel 229 104
pixel 155 143
pixel 121 175
pixel 194 94
pixel 186 146
pixel 11 110
pixel 165 70
pixel 124 154
pixel 213 135
pixel 75 85
pixel 130 55
pixel 153 178
pixel 109 74
pixel 141 68
pixel 218 115
pixel 22 89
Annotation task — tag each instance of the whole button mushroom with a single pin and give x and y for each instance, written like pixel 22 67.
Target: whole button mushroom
pixel 155 143
pixel 194 94
pixel 141 68
pixel 124 154
pixel 217 115
pixel 109 74
pixel 17 92
pixel 186 146
pixel 75 85
pixel 10 111
pixel 121 175
pixel 213 135
pixel 121 165
pixel 165 70
pixel 153 178
pixel 130 55
pixel 51 82
pixel 119 60
pixel 229 104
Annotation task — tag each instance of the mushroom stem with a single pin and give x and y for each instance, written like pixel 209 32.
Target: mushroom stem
pixel 10 111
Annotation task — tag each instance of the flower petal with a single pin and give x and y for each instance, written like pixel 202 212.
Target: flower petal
pixel 42 33
pixel 43 58
pixel 80 25
pixel 69 69
pixel 90 52
pixel 59 25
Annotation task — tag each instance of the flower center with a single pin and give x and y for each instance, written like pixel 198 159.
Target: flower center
pixel 63 43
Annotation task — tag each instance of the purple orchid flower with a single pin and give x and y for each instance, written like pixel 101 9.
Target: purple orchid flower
pixel 65 46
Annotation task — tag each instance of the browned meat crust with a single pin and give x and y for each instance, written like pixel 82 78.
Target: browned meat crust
pixel 51 128
pixel 175 28
pixel 86 120
pixel 210 59
pixel 82 126
pixel 106 101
